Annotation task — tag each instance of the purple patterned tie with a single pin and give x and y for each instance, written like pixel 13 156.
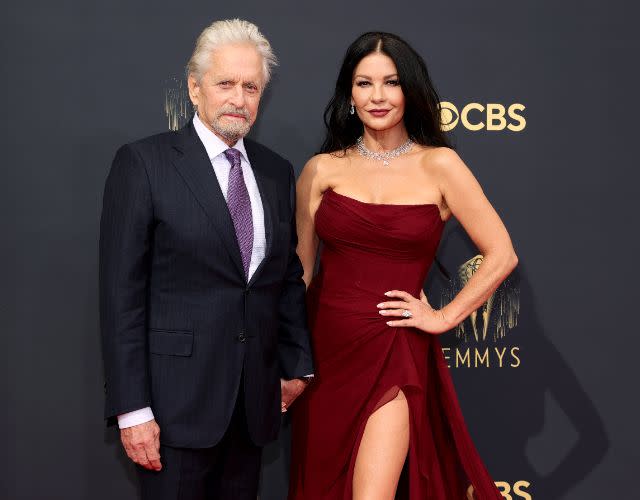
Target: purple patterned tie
pixel 239 205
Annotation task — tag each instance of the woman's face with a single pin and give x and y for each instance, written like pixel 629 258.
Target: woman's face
pixel 376 92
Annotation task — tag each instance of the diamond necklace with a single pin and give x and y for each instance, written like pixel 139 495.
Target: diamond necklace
pixel 384 156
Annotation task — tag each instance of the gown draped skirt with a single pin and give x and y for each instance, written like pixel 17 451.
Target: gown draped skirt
pixel 362 363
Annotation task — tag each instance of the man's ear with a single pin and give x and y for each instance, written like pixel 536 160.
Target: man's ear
pixel 194 89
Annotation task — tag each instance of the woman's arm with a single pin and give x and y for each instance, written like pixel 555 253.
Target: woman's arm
pixel 308 196
pixel 467 202
pixel 464 196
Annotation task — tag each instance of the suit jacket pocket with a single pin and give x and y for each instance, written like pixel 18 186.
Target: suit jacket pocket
pixel 171 342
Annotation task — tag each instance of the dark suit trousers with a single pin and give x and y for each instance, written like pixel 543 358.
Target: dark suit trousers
pixel 229 470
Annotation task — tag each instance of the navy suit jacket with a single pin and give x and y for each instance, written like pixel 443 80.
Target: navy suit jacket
pixel 180 323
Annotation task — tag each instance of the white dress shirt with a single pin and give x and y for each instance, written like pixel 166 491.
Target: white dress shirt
pixel 215 150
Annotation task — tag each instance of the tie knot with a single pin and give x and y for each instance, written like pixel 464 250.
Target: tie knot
pixel 233 155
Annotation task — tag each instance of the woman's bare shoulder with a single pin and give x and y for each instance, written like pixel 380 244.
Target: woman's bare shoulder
pixel 438 156
pixel 441 161
pixel 322 167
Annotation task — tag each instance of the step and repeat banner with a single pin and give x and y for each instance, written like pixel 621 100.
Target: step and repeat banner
pixel 538 99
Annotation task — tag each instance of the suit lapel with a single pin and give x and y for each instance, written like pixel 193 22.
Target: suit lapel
pixel 194 166
pixel 268 194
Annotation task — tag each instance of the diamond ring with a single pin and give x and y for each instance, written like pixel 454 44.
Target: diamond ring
pixel 406 313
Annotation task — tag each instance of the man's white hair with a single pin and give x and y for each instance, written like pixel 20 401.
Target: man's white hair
pixel 230 32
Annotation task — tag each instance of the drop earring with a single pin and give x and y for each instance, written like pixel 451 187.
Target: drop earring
pixel 352 110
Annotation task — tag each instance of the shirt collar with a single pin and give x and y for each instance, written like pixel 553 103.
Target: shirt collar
pixel 213 144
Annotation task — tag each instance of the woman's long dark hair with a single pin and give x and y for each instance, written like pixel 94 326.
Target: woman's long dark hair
pixel 421 114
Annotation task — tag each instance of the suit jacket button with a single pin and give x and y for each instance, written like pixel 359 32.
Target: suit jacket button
pixel 242 337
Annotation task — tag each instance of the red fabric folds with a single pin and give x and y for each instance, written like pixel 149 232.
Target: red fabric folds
pixel 362 363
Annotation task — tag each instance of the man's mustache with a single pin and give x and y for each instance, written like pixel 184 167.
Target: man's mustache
pixel 235 111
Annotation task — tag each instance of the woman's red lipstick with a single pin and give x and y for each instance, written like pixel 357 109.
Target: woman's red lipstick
pixel 379 112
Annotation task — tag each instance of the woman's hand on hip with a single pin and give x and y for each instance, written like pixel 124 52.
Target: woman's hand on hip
pixel 407 311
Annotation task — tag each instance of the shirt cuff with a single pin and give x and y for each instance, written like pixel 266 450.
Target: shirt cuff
pixel 135 417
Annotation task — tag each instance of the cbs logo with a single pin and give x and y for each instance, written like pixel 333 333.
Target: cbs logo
pixel 517 491
pixel 475 116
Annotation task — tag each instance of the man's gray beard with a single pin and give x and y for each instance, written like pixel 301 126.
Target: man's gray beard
pixel 231 132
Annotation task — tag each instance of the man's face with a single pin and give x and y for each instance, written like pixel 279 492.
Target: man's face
pixel 228 95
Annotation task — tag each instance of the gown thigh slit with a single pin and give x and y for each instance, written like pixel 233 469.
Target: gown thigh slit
pixel 361 363
pixel 387 397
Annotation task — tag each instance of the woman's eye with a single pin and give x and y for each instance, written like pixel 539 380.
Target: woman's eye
pixel 393 82
pixel 362 83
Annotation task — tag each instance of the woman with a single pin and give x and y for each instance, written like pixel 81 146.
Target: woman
pixel 381 420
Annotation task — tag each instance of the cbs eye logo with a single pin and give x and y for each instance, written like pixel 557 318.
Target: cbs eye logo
pixel 475 116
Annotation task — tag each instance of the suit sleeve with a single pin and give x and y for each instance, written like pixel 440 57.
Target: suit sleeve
pixel 293 339
pixel 124 264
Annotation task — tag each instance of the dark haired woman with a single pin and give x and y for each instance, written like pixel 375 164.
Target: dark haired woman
pixel 382 420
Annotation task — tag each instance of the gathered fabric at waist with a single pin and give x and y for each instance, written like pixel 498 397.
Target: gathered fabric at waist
pixel 347 276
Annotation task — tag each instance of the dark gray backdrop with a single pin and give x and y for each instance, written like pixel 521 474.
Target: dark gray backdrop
pixel 81 78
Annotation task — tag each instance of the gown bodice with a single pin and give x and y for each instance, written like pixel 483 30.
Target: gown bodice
pixel 398 241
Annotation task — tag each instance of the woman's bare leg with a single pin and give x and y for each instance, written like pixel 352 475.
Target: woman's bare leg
pixel 382 452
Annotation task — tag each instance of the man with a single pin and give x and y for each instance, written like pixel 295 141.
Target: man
pixel 202 298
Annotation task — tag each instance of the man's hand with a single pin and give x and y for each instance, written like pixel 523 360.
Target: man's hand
pixel 291 389
pixel 142 444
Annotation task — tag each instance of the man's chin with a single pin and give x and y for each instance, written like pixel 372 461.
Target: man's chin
pixel 232 135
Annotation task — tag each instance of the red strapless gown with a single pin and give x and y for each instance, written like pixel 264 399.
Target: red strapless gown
pixel 361 363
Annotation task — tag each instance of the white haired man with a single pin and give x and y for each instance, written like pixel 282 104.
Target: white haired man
pixel 201 294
